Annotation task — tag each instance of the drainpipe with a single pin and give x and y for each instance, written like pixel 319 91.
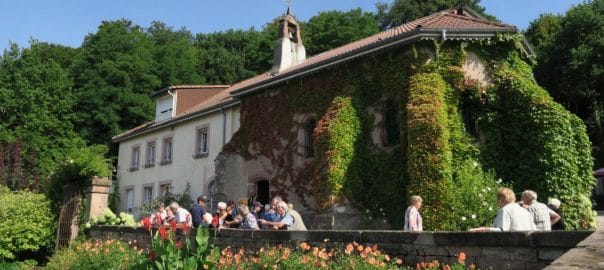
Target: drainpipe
pixel 223 125
pixel 173 103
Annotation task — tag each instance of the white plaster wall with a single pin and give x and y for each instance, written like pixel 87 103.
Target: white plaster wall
pixel 475 69
pixel 184 168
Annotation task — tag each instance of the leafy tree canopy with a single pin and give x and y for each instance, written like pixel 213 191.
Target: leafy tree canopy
pixel 402 11
pixel 332 29
pixel 570 63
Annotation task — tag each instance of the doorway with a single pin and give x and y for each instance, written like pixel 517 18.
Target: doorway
pixel 262 191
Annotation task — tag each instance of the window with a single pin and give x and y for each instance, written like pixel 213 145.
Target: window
pixel 165 188
pixel 167 151
pixel 309 128
pixel 147 194
pixel 150 161
pixel 201 142
pixel 129 199
pixel 391 124
pixel 135 161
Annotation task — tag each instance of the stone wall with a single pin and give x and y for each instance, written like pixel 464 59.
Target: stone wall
pixel 499 250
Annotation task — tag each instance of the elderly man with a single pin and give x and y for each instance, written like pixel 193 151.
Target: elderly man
pixel 284 221
pixel 543 217
pixel 181 215
pixel 510 216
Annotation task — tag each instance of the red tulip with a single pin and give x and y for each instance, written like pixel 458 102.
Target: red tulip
pixel 163 233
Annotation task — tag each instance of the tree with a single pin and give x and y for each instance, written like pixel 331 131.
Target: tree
pixel 402 11
pixel 543 30
pixel 233 55
pixel 174 55
pixel 570 64
pixel 114 77
pixel 332 29
pixel 37 106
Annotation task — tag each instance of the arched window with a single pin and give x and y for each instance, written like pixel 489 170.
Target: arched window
pixel 308 140
pixel 391 124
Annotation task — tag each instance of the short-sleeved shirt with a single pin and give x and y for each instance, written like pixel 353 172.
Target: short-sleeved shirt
pixel 197 212
pixel 183 216
pixel 249 222
pixel 512 217
pixel 287 220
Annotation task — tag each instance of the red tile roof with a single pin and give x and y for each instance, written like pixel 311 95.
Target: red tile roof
pixel 461 23
pixel 223 98
pixel 450 24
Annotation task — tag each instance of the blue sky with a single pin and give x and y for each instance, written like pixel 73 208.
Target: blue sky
pixel 67 22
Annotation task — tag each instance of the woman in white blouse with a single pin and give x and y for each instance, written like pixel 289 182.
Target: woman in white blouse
pixel 413 220
pixel 511 216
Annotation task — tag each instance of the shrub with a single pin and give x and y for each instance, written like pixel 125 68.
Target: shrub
pixel 473 197
pixel 305 256
pixel 77 170
pixel 109 254
pixel 27 223
pixel 109 218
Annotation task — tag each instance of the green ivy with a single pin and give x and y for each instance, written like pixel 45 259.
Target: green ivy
pixel 516 133
pixel 336 133
pixel 428 150
pixel 534 143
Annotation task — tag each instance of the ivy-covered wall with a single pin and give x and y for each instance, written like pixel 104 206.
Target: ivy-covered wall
pixel 459 139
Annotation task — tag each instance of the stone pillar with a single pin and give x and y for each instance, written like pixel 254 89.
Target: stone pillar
pixel 98 198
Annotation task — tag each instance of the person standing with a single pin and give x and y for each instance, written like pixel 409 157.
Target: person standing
pixel 284 220
pixel 543 217
pixel 298 222
pixel 413 220
pixel 510 216
pixel 181 215
pixel 248 220
pixel 198 211
pixel 554 204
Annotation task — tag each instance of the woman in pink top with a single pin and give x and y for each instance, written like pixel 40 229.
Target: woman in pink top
pixel 413 220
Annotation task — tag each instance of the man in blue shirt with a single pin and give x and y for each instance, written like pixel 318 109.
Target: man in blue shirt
pixel 198 211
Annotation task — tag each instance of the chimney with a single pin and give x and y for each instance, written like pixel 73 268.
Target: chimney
pixel 289 49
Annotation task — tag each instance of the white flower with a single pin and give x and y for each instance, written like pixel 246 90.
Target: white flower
pixel 473 216
pixel 463 218
pixel 490 208
pixel 489 188
pixel 475 164
pixel 484 203
pixel 499 181
pixel 479 194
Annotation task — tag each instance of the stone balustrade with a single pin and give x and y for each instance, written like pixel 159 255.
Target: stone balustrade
pixel 498 250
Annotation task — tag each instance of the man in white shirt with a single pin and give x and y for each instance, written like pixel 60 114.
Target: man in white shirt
pixel 181 215
pixel 511 216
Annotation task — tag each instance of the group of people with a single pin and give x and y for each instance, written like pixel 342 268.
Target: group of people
pixel 279 215
pixel 526 215
pixel 173 213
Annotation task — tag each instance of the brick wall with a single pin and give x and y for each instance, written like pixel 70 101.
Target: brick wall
pixel 499 250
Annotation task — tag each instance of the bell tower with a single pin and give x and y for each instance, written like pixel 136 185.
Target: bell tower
pixel 289 49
